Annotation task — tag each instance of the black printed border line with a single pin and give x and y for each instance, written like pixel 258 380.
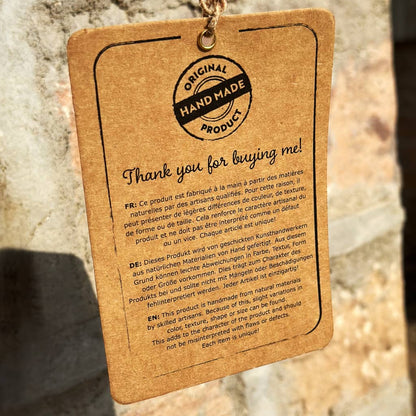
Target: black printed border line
pixel 315 208
pixel 314 180
pixel 105 158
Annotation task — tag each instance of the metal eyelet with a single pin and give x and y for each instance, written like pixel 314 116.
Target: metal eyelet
pixel 206 43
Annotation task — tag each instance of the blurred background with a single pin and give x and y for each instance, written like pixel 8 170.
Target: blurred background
pixel 52 359
pixel 404 37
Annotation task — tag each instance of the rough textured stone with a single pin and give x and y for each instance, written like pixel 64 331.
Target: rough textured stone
pixel 207 399
pixel 53 353
pixel 368 351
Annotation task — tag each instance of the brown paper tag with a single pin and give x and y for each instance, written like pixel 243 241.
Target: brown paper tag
pixel 205 184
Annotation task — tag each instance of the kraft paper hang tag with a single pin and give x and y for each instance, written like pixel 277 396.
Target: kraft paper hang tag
pixel 205 186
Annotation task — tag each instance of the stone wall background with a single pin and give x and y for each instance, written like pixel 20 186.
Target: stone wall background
pixel 52 358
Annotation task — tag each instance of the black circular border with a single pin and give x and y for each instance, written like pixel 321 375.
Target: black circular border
pixel 180 78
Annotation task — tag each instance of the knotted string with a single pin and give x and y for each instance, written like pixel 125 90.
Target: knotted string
pixel 213 10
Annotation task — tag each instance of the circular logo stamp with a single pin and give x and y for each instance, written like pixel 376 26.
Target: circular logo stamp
pixel 212 98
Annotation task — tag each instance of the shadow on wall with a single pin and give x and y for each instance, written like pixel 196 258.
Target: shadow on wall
pixel 51 341
pixel 404 29
pixel 405 66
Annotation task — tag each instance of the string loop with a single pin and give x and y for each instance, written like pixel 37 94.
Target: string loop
pixel 213 10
